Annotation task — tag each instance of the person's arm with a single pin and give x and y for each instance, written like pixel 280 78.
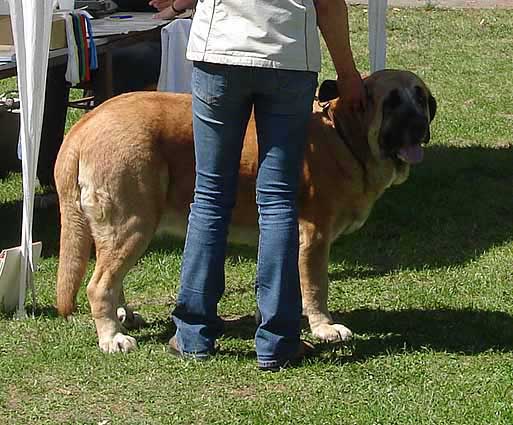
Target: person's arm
pixel 333 22
pixel 168 9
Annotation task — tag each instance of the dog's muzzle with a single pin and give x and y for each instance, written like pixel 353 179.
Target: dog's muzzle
pixel 416 134
pixel 403 137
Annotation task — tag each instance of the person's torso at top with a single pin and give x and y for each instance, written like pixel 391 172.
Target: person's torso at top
pixel 264 33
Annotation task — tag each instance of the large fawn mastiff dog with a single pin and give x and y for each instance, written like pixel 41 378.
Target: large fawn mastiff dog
pixel 127 168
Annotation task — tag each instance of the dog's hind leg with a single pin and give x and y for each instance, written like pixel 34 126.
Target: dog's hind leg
pixel 124 211
pixel 113 261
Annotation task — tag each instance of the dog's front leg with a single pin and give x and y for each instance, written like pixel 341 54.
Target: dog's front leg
pixel 313 269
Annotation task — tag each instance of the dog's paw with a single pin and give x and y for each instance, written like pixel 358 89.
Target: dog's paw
pixel 119 344
pixel 332 333
pixel 130 319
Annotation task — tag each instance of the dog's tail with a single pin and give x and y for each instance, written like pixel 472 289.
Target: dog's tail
pixel 75 240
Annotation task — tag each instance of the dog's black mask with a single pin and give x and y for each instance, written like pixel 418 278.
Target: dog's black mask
pixel 407 114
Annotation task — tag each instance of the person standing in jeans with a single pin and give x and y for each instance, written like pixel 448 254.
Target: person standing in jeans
pixel 261 56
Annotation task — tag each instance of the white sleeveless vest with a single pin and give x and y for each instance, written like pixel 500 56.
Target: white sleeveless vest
pixel 264 33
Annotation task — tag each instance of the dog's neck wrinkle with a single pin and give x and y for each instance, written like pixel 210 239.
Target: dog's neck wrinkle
pixel 351 132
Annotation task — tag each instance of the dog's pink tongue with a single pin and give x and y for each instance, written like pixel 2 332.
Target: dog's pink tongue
pixel 412 154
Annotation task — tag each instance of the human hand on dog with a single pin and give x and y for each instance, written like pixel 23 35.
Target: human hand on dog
pixel 352 91
pixel 332 20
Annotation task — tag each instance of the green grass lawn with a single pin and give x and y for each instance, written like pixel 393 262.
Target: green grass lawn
pixel 426 285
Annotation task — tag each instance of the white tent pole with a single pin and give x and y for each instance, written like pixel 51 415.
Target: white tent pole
pixel 31 23
pixel 377 34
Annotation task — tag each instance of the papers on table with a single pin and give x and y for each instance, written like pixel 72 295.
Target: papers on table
pixel 125 22
pixel 119 23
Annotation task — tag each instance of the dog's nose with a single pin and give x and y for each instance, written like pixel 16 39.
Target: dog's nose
pixel 419 129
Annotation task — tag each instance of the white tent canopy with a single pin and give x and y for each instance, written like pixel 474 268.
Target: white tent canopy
pixel 31 23
pixel 377 34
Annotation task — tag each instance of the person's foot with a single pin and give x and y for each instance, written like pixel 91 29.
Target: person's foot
pixel 305 349
pixel 175 350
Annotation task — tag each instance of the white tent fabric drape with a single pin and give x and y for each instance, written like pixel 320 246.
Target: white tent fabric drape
pixel 377 34
pixel 31 22
pixel 4 7
pixel 175 69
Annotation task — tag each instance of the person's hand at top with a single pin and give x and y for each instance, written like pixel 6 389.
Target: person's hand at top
pixel 333 22
pixel 351 90
pixel 169 9
pixel 160 4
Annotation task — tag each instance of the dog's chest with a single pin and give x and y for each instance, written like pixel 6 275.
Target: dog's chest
pixel 350 221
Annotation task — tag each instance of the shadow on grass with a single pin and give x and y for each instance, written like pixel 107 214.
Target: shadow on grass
pixel 45 225
pixel 39 311
pixel 380 332
pixel 456 205
pixel 468 332
pixel 44 311
pixel 161 330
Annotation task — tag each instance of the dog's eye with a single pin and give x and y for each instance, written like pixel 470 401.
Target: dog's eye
pixel 420 95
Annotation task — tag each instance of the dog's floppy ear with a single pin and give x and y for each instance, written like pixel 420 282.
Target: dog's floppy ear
pixel 432 106
pixel 328 91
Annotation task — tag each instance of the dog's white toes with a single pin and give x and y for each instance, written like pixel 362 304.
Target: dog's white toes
pixel 332 333
pixel 119 344
pixel 344 333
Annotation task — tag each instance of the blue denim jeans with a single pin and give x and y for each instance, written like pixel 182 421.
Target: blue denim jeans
pixel 223 98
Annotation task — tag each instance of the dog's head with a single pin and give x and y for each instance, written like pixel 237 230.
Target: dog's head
pixel 399 111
